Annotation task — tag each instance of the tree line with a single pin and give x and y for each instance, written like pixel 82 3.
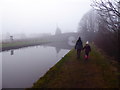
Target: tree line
pixel 101 25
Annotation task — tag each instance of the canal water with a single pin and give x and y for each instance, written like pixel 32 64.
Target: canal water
pixel 22 67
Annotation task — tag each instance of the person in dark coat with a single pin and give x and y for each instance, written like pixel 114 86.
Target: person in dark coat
pixel 87 50
pixel 79 47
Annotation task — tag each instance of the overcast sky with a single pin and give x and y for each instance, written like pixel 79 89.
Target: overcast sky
pixel 42 16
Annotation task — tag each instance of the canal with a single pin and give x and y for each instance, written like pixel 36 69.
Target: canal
pixel 22 67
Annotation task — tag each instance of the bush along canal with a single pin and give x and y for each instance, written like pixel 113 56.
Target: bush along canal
pixel 99 71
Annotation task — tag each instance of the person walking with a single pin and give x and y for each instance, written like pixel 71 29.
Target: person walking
pixel 87 50
pixel 78 47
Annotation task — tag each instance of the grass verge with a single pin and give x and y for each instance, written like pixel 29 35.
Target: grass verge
pixel 98 72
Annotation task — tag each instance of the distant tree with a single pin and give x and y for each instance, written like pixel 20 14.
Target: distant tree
pixel 93 27
pixel 88 25
pixel 11 38
pixel 109 10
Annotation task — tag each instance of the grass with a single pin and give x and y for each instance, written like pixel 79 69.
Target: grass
pixel 69 72
pixel 20 44
pixel 14 44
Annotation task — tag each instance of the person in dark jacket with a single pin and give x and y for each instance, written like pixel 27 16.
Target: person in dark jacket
pixel 79 47
pixel 87 50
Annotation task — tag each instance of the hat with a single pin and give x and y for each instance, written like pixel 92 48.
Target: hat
pixel 87 42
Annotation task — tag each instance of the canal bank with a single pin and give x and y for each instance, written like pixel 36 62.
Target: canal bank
pixel 17 45
pixel 99 71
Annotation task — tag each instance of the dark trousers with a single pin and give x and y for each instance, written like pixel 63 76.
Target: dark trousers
pixel 78 53
pixel 86 55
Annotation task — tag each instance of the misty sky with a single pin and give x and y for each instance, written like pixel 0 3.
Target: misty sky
pixel 41 16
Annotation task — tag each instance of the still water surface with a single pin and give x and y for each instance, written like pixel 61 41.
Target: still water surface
pixel 22 67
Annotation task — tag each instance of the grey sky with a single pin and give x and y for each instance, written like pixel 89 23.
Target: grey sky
pixel 41 16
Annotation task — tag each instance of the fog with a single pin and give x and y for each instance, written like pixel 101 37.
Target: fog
pixel 36 34
pixel 41 16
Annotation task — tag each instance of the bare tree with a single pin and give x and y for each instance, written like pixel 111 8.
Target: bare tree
pixel 88 25
pixel 109 10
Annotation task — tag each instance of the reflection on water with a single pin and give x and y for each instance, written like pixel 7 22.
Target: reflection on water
pixel 60 45
pixel 12 52
pixel 20 69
